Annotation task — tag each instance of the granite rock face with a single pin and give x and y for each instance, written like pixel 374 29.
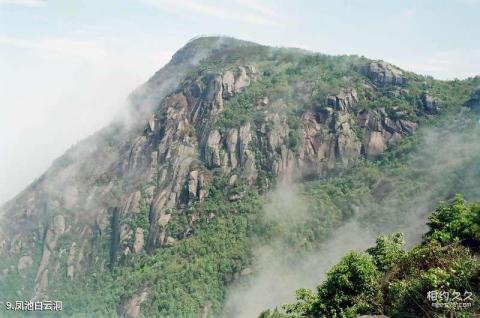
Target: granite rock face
pixel 382 74
pixel 125 183
pixel 131 307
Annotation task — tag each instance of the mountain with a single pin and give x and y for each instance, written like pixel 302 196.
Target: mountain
pixel 158 214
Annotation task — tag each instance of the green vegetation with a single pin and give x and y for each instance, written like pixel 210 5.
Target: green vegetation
pixel 238 111
pixel 302 80
pixel 386 279
pixel 457 222
pixel 209 253
pixel 199 268
pixel 182 278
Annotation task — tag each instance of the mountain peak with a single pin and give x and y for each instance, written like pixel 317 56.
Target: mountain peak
pixel 203 45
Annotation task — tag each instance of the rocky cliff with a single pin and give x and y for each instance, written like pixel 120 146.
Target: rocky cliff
pixel 220 107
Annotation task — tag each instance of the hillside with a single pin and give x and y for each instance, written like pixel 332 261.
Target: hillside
pixel 159 213
pixel 437 278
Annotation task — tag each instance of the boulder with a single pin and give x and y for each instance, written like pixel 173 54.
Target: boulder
pixel 192 185
pixel 153 123
pixel 228 82
pixel 408 126
pixel 383 74
pixel 232 179
pixel 374 144
pixel 247 157
pixel 343 101
pixel 231 142
pixel 195 186
pixel 264 101
pixel 169 241
pixel 278 132
pixel 233 81
pixel 125 233
pixel 348 146
pixel 164 219
pixel 212 149
pixel 139 240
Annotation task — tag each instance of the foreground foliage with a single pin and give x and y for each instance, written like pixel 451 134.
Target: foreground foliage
pixel 388 280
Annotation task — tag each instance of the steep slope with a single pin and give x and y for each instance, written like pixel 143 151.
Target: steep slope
pixel 176 182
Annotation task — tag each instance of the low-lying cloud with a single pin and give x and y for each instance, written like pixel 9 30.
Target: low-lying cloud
pixel 446 162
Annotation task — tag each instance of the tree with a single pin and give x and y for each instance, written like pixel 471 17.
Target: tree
pixel 387 251
pixel 351 288
pixel 455 222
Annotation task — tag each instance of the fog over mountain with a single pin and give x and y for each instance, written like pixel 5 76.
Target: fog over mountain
pixel 235 174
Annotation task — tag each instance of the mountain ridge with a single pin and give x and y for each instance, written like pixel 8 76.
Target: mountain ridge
pixel 222 111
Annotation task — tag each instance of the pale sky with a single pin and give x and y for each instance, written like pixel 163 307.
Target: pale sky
pixel 66 66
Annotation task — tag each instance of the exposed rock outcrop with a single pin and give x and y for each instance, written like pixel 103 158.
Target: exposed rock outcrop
pixel 382 73
pixel 179 146
pixel 139 240
pixel 212 151
pixel 235 80
pixel 381 131
pixel 56 229
pixel 127 183
pixel 131 307
pixel 196 186
pixel 327 136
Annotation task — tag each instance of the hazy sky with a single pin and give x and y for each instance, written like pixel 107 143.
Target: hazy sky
pixel 66 66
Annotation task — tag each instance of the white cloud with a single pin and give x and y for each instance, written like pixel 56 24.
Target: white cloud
pixel 448 64
pixel 244 11
pixel 26 3
pixel 56 91
pixel 59 47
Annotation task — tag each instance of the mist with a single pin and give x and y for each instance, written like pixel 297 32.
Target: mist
pixel 49 102
pixel 446 162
